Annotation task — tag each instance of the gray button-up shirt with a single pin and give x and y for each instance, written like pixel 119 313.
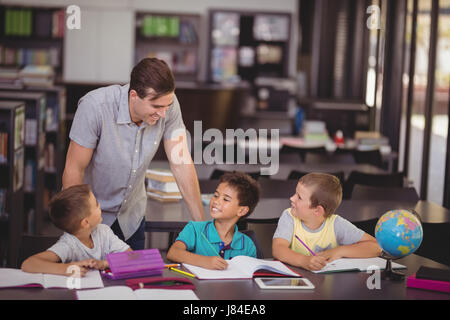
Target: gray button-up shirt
pixel 123 152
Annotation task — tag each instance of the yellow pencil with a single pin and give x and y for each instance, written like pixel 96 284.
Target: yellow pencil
pixel 182 272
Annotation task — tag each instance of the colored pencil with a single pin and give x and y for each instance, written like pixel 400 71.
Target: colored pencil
pixel 312 252
pixel 182 272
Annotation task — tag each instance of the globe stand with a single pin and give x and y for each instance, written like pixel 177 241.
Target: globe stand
pixel 388 273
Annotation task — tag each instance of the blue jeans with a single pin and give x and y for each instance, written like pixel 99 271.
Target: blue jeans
pixel 137 240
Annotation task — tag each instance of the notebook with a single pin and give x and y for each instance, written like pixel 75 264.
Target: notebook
pixel 359 264
pixel 126 293
pixel 133 264
pixel 17 278
pixel 241 267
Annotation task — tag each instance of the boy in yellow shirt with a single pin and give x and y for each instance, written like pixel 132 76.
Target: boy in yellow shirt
pixel 311 220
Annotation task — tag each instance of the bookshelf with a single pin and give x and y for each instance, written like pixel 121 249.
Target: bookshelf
pixel 12 129
pixel 171 37
pixel 54 146
pixel 32 36
pixel 34 157
pixel 245 45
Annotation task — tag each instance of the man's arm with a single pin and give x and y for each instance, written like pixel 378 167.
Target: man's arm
pixel 183 169
pixel 77 160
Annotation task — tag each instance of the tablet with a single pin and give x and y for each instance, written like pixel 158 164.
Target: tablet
pixel 284 283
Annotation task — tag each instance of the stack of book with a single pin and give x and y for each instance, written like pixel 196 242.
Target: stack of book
pixel 370 140
pixel 37 76
pixel 161 185
pixel 9 77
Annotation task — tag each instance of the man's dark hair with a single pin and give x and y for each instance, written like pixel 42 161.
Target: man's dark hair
pixel 152 73
pixel 69 206
pixel 248 190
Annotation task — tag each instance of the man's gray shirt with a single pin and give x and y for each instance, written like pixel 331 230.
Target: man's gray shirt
pixel 122 152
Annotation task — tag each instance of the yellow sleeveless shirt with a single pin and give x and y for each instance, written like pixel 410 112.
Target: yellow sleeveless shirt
pixel 324 239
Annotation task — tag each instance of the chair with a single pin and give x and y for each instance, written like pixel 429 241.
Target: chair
pixel 208 186
pixel 30 245
pixel 274 188
pixel 252 235
pixel 346 158
pixel 294 174
pixel 315 150
pixel 369 179
pixel 368 156
pixel 217 173
pixel 361 192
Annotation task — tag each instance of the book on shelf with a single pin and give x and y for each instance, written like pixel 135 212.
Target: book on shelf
pixel 37 75
pixel 2 202
pixel 10 278
pixel 3 147
pixel 243 267
pixel 161 185
pixel 126 293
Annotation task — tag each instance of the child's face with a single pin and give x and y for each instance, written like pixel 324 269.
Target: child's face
pixel 95 217
pixel 301 203
pixel 225 203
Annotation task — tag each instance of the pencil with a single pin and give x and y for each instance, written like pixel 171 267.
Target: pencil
pixel 213 249
pixel 182 272
pixel 171 265
pixel 312 252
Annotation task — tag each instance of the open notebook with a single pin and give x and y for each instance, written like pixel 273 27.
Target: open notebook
pixel 17 278
pixel 241 267
pixel 360 264
pixel 126 293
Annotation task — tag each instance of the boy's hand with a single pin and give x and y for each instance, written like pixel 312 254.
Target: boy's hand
pixel 216 263
pixel 315 263
pixel 331 254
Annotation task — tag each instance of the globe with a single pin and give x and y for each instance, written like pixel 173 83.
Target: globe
pixel 399 232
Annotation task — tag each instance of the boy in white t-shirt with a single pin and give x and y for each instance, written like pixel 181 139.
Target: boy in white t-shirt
pixel 85 242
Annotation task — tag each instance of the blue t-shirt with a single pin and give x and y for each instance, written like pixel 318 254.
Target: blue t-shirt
pixel 201 237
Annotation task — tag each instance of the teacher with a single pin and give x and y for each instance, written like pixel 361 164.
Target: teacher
pixel 115 134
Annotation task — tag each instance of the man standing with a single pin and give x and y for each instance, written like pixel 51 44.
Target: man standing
pixel 116 132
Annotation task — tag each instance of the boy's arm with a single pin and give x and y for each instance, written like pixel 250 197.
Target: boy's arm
pixel 367 247
pixel 49 262
pixel 178 253
pixel 282 252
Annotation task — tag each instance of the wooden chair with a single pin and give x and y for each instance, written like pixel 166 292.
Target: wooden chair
pixel 217 173
pixel 274 188
pixel 30 245
pixel 370 179
pixel 294 174
pixel 361 192
pixel 368 156
pixel 252 235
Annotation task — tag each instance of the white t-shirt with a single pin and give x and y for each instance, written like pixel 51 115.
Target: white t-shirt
pixel 68 248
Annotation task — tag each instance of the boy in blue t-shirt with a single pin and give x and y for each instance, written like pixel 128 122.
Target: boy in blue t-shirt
pixel 208 244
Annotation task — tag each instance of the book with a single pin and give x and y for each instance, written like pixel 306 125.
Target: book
pixel 430 273
pixel 242 267
pixel 10 278
pixel 434 285
pixel 360 264
pixel 126 293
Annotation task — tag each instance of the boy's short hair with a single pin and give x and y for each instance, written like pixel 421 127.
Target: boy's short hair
pixel 248 189
pixel 326 191
pixel 69 206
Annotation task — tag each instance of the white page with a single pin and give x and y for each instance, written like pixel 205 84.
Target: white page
pixel 360 264
pixel 92 279
pixel 108 293
pixel 241 267
pixel 165 294
pixel 16 277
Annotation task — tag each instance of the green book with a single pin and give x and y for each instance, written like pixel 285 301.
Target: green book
pixel 173 26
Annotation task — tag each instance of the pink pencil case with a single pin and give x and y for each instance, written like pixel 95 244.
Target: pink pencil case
pixel 132 264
